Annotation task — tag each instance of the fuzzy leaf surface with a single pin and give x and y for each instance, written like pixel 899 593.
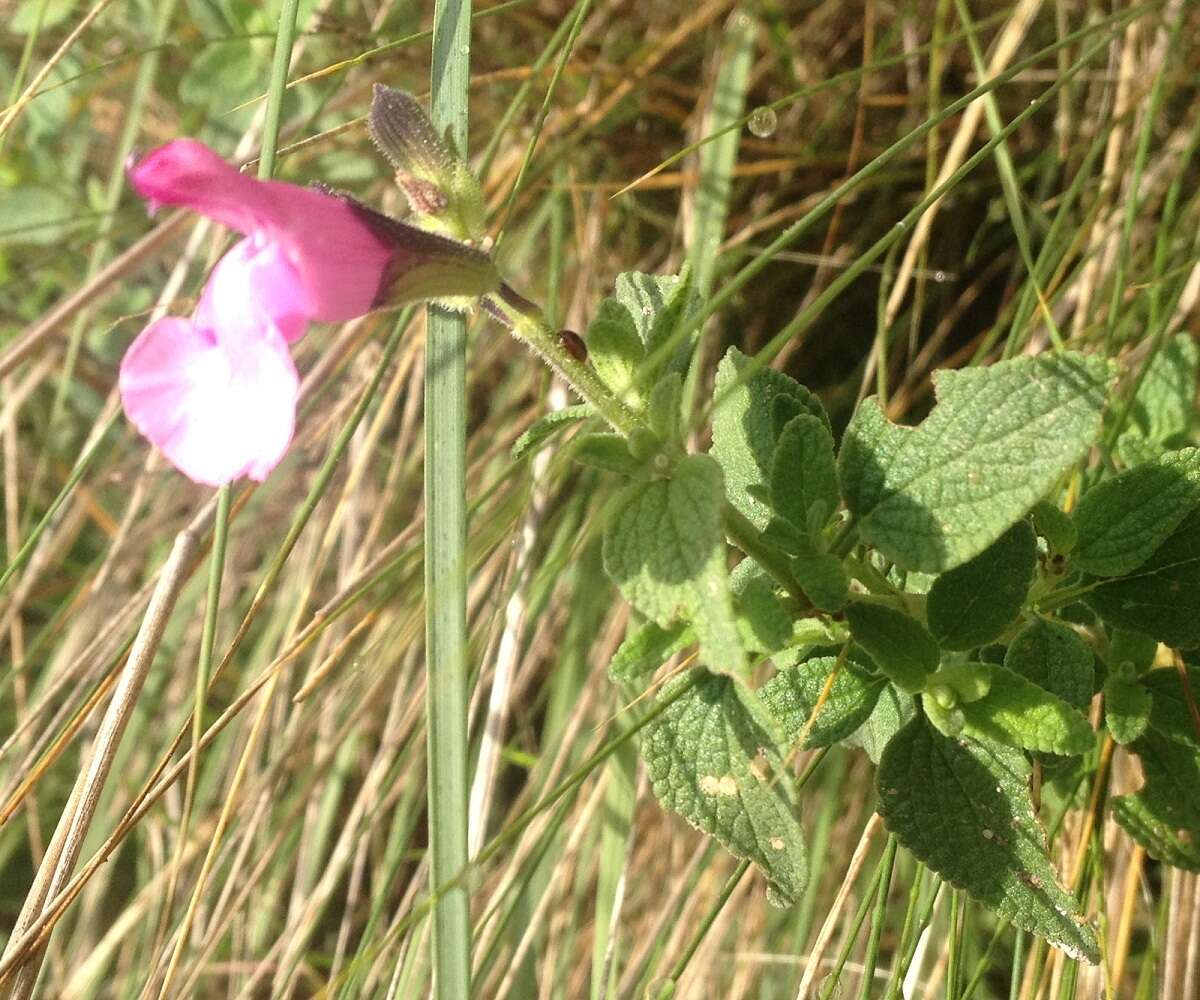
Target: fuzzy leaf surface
pixel 932 497
pixel 657 304
pixel 900 645
pixel 803 483
pixel 711 758
pixel 1165 405
pixel 1126 709
pixel 665 549
pixel 1123 520
pixel 962 807
pixel 973 603
pixel 546 427
pixel 1174 711
pixel 1020 713
pixel 748 419
pixel 1164 817
pixel 1162 595
pixel 614 348
pixel 792 694
pixel 646 649
pixel 1054 657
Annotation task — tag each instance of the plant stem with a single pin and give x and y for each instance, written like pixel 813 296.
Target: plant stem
pixel 445 554
pixel 528 325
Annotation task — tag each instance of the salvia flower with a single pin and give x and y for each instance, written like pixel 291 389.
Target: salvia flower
pixel 216 393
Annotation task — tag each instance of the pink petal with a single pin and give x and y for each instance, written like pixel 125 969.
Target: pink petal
pixel 216 410
pixel 253 288
pixel 340 260
pixel 186 172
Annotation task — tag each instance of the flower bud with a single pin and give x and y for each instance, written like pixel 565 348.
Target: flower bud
pixel 441 190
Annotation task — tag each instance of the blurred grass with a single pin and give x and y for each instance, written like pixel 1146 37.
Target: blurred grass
pixel 320 884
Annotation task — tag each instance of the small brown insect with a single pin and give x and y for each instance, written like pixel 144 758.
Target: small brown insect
pixel 573 344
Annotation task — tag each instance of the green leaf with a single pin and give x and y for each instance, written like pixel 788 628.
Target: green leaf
pixel 1130 652
pixel 765 622
pixel 665 549
pixel 960 682
pixel 606 451
pixel 803 482
pixel 646 649
pixel 665 407
pixel 900 646
pixel 973 603
pixel 547 426
pixel 711 758
pixel 1165 405
pixel 1124 519
pixel 614 348
pixel 934 496
pixel 748 419
pixel 892 712
pixel 1164 817
pixel 1161 596
pixel 963 808
pixel 1174 704
pixel 1022 714
pixel 657 304
pixel 1126 709
pixel 1054 657
pixel 821 576
pixel 792 694
pixel 1055 526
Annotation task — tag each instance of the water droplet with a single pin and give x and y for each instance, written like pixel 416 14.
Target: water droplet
pixel 465 49
pixel 647 310
pixel 939 276
pixel 763 122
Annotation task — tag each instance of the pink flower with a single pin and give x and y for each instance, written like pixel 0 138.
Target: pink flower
pixel 217 393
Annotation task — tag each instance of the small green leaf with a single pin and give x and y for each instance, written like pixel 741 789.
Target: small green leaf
pixel 1054 657
pixel 792 694
pixel 646 649
pixel 1124 519
pixel 657 304
pixel 974 603
pixel 614 348
pixel 1126 709
pixel 900 646
pixel 892 712
pixel 821 576
pixel 803 482
pixel 934 496
pixel 962 807
pixel 1022 714
pixel 1130 652
pixel 664 410
pixel 665 549
pixel 1165 405
pixel 960 683
pixel 606 451
pixel 765 622
pixel 1175 712
pixel 711 758
pixel 1055 526
pixel 547 426
pixel 1161 596
pixel 746 428
pixel 1164 817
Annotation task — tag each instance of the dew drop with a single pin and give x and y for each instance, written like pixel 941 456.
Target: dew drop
pixel 763 122
pixel 939 276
